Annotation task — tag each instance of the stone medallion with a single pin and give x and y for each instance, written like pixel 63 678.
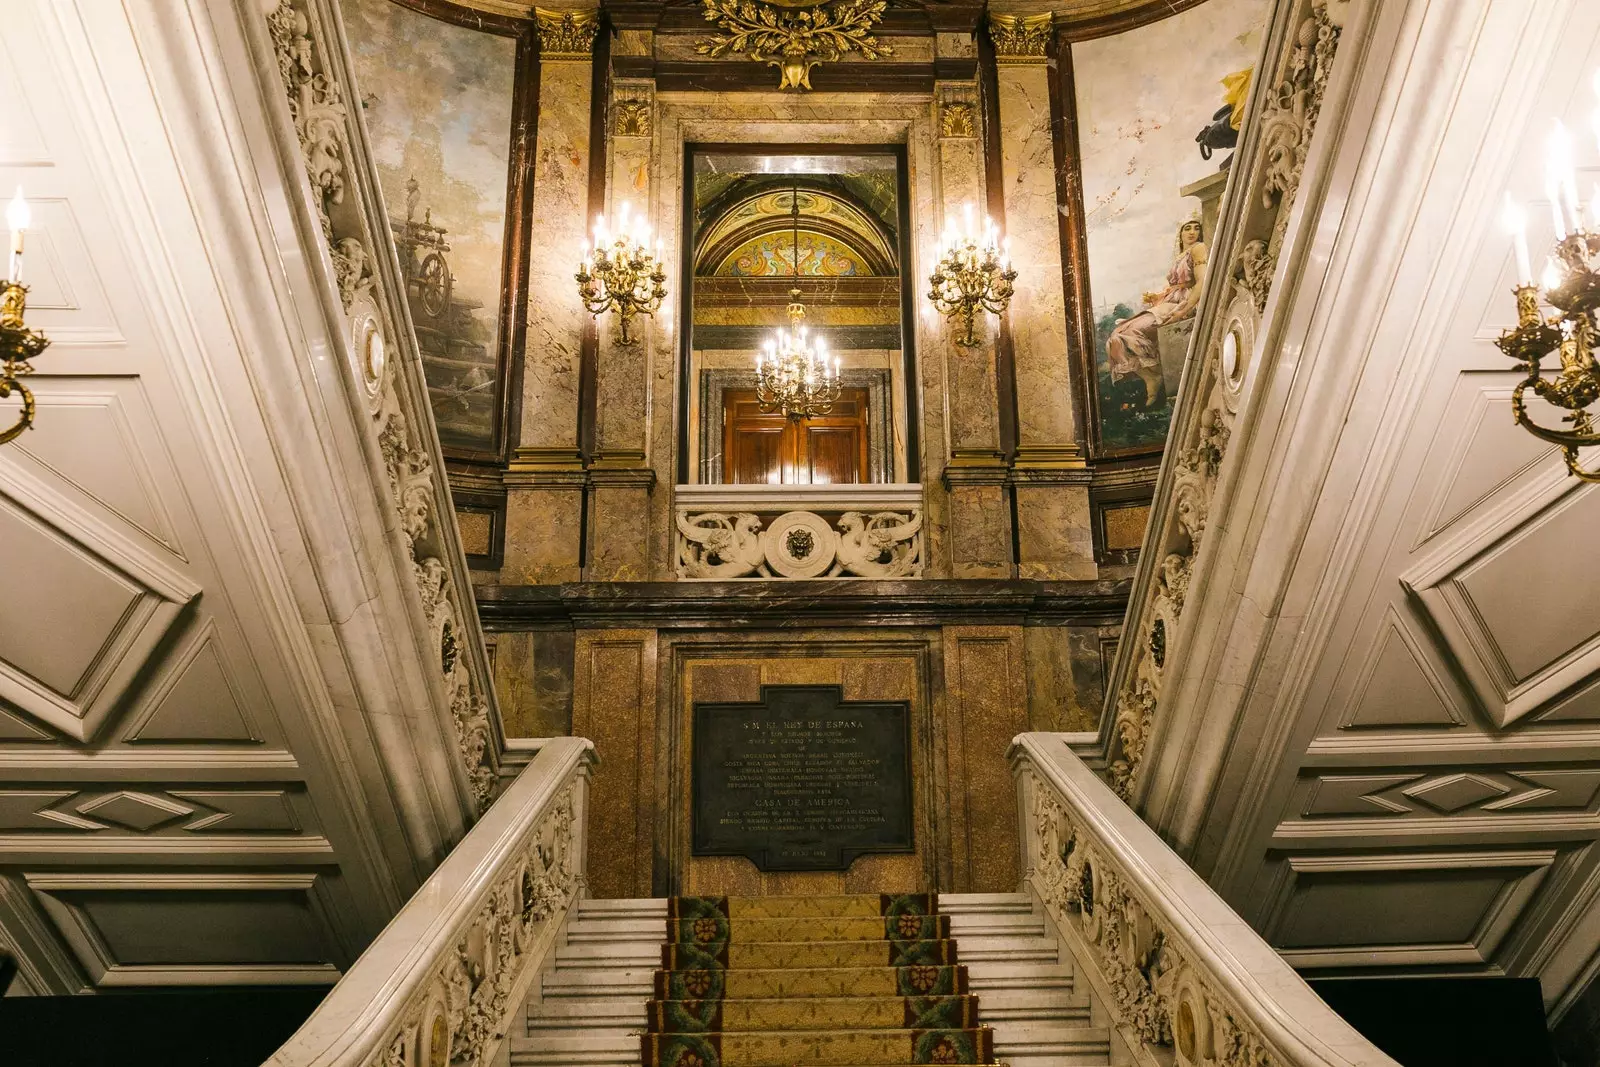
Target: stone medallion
pixel 799 544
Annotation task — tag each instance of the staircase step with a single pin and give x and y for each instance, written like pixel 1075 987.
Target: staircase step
pixel 783 1048
pixel 784 954
pixel 709 929
pixel 796 982
pixel 813 1013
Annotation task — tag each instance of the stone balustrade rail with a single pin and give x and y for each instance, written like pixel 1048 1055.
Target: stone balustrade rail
pixel 1184 978
pixel 441 982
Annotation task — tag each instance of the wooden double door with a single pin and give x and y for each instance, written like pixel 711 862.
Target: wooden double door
pixel 759 448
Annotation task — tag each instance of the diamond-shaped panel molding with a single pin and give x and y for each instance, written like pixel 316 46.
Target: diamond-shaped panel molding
pixel 1455 791
pixel 135 811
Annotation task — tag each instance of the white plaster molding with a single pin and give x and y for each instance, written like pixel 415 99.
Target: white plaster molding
pixel 454 965
pixel 1183 975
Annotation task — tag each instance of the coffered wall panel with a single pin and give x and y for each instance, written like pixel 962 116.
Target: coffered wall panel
pixel 184 796
pixel 1412 675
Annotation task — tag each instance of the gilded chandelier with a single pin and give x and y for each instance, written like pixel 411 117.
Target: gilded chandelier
pixel 621 274
pixel 18 344
pixel 973 274
pixel 1571 286
pixel 792 371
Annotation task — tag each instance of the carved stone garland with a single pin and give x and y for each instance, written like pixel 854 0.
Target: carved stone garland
pixel 317 107
pixel 464 1005
pixel 1159 994
pixel 1287 122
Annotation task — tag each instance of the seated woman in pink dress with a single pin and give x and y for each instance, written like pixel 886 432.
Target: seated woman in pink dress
pixel 1133 348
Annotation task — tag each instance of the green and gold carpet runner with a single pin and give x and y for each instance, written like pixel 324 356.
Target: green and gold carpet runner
pixel 838 981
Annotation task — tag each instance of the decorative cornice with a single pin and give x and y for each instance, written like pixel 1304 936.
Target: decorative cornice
pixel 1021 38
pixel 566 35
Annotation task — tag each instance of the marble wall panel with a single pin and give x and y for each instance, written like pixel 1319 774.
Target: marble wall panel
pixel 1054 539
pixel 1065 672
pixel 618 548
pixel 614 705
pixel 533 681
pixel 980 531
pixel 985 707
pixel 542 536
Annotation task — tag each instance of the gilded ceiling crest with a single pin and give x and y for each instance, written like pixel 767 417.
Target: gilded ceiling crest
pixel 793 35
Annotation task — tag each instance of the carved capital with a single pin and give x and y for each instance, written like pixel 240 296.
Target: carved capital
pixel 1021 38
pixel 566 35
pixel 958 118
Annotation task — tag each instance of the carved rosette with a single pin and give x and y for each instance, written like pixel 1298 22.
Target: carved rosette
pixel 465 1007
pixel 1197 448
pixel 1021 38
pixel 1159 996
pixel 723 545
pixel 566 35
pixel 322 123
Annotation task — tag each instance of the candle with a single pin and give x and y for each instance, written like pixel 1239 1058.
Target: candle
pixel 1519 240
pixel 1552 276
pixel 17 218
pixel 1562 179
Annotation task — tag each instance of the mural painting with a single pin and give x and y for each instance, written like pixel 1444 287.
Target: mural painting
pixel 437 101
pixel 1158 111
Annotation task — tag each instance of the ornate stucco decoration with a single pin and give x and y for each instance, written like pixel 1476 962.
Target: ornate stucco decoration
pixel 399 417
pixel 866 531
pixel 1197 448
pixel 793 35
pixel 566 34
pixel 958 118
pixel 630 117
pixel 1021 38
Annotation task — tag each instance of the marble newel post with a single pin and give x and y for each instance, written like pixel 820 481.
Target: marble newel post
pixel 545 479
pixel 620 478
pixel 975 473
pixel 1050 478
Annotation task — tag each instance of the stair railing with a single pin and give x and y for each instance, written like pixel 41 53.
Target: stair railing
pixel 1184 978
pixel 442 981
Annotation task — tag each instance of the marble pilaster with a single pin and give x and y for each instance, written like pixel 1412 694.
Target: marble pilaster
pixel 544 481
pixel 1051 479
pixel 979 534
pixel 621 478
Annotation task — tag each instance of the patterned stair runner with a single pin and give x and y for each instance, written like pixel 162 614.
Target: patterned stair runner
pixel 845 981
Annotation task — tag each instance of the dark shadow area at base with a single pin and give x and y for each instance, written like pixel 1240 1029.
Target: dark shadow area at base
pixel 1447 1022
pixel 181 1028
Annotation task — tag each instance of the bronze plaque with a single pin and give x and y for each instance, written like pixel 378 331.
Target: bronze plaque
pixel 803 780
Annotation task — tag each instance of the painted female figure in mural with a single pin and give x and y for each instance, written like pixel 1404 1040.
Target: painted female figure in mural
pixel 1134 345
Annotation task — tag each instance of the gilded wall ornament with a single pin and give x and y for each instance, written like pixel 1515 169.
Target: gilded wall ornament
pixel 630 118
pixel 1020 38
pixel 787 34
pixel 566 34
pixel 958 119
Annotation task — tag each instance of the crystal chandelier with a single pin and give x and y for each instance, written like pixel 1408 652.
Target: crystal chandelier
pixel 792 370
pixel 972 275
pixel 621 274
pixel 18 344
pixel 1570 286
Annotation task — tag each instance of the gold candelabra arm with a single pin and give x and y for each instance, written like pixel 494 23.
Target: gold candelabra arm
pixel 18 345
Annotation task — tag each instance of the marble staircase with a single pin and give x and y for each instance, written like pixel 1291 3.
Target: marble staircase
pixel 588 1005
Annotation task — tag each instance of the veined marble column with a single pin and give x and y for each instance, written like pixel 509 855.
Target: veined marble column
pixel 975 474
pixel 1048 473
pixel 620 477
pixel 545 479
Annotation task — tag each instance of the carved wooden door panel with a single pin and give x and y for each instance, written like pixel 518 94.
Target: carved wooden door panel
pixel 771 449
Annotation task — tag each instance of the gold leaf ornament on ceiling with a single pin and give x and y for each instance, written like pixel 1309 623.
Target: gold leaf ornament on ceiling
pixel 793 35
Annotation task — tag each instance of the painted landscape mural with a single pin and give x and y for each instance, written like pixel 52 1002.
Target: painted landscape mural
pixel 1158 111
pixel 437 100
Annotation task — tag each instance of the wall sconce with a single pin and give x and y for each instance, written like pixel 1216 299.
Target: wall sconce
pixel 972 274
pixel 1571 285
pixel 18 344
pixel 621 274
